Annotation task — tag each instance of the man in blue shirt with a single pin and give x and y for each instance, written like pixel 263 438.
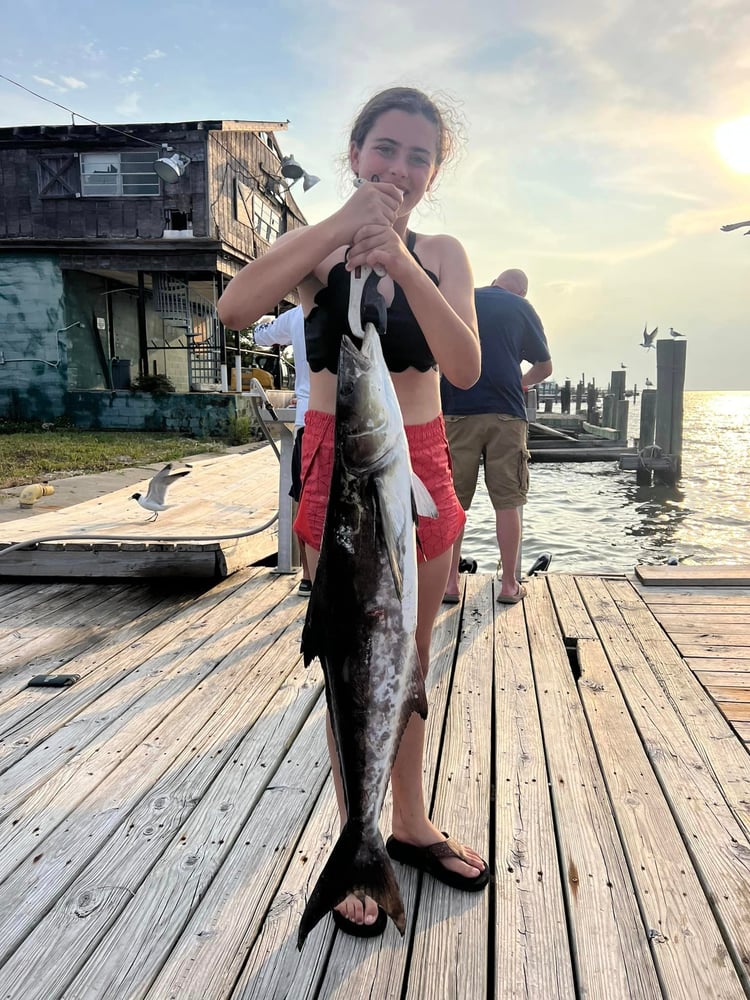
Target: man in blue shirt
pixel 489 420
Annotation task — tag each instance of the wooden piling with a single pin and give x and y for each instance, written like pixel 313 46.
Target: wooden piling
pixel 617 384
pixel 648 418
pixel 592 414
pixel 565 397
pixel 608 410
pixel 621 418
pixel 670 384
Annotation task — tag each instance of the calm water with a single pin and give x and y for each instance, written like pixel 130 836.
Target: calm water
pixel 594 518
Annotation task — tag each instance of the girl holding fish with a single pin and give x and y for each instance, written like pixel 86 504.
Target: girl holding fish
pixel 399 142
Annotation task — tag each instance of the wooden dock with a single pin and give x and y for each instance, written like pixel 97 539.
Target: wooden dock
pixel 204 534
pixel 165 818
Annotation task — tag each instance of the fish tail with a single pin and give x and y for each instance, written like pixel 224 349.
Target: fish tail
pixel 359 867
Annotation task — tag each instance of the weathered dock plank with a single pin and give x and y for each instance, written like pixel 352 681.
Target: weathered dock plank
pixel 167 816
pixel 203 534
pixel 531 947
pixel 610 950
pixel 694 576
pixel 664 834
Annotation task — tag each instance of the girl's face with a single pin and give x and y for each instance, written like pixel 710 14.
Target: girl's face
pixel 401 149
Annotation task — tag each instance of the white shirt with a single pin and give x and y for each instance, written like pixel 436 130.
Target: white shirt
pixel 289 328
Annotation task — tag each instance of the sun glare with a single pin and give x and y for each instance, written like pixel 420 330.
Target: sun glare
pixel 733 143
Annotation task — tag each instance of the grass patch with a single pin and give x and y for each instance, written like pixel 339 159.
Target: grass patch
pixel 34 457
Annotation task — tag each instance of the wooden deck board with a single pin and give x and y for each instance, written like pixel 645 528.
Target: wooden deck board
pixel 167 816
pixel 223 496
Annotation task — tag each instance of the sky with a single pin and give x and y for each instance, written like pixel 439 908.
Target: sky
pixel 589 159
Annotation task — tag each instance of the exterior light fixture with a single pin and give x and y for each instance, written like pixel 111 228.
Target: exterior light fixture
pixel 171 167
pixel 292 171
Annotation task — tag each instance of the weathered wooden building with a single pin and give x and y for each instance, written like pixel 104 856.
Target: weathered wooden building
pixel 109 272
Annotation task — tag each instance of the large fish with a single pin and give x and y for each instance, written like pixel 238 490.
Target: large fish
pixel 362 616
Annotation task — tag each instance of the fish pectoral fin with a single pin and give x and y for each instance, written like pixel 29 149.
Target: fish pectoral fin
pixel 423 502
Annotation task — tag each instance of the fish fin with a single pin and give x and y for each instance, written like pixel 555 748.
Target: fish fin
pixel 390 536
pixel 423 502
pixel 357 867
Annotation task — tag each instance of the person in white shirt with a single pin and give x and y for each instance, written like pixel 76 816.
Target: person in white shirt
pixel 289 329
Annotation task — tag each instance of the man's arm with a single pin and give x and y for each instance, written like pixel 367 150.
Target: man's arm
pixel 277 332
pixel 536 374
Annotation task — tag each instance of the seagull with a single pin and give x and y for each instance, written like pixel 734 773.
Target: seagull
pixel 157 489
pixel 649 383
pixel 735 225
pixel 674 333
pixel 648 338
pixel 623 365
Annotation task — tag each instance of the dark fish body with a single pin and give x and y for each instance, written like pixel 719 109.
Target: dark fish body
pixel 361 621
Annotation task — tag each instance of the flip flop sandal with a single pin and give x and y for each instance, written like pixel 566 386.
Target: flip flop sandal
pixel 513 598
pixel 361 930
pixel 428 859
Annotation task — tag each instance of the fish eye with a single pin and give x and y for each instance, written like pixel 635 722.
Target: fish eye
pixel 346 386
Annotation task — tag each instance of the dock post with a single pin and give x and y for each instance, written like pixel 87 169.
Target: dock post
pixel 617 384
pixel 648 418
pixel 608 410
pixel 670 384
pixel 591 402
pixel 621 419
pixel 565 397
pixel 579 397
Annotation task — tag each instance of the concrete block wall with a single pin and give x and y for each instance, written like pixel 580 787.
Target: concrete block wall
pixel 206 414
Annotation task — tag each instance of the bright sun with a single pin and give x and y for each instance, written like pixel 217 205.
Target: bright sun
pixel 733 143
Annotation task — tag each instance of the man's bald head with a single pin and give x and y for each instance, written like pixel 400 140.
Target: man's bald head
pixel 513 280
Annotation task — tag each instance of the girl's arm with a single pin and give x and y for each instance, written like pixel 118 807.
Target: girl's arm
pixel 263 283
pixel 446 314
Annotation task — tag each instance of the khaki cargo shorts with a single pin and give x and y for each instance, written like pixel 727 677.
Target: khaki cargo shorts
pixel 500 440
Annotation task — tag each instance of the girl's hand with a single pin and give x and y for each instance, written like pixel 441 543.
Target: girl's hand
pixel 379 246
pixel 373 203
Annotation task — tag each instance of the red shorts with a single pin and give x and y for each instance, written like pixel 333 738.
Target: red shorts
pixel 430 459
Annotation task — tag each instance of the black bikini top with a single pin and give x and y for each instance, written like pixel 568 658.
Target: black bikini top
pixel 404 345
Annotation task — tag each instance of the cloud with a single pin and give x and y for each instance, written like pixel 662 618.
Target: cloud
pixel 72 83
pixel 129 105
pixel 130 77
pixel 47 83
pixel 155 54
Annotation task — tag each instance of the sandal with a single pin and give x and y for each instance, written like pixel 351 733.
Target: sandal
pixel 361 930
pixel 513 598
pixel 427 859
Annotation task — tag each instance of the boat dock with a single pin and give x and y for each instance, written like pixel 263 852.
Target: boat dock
pixel 166 816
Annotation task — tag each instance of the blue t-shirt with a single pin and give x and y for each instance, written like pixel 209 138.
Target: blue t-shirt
pixel 509 332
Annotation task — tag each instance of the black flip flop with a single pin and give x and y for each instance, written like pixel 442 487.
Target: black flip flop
pixel 427 859
pixel 361 930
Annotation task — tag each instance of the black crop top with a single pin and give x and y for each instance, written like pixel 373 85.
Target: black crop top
pixel 404 345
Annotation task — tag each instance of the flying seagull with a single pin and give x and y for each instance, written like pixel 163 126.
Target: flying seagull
pixel 648 338
pixel 674 333
pixel 156 495
pixel 735 225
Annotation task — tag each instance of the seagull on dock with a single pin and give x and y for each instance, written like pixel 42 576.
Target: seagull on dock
pixel 649 383
pixel 649 338
pixel 156 495
pixel 674 333
pixel 623 365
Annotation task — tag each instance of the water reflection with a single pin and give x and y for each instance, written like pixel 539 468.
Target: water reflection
pixel 595 518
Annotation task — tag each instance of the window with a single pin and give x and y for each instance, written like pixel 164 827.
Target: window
pixel 111 175
pixel 266 221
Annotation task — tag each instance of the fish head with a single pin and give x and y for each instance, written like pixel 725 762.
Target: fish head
pixel 368 416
